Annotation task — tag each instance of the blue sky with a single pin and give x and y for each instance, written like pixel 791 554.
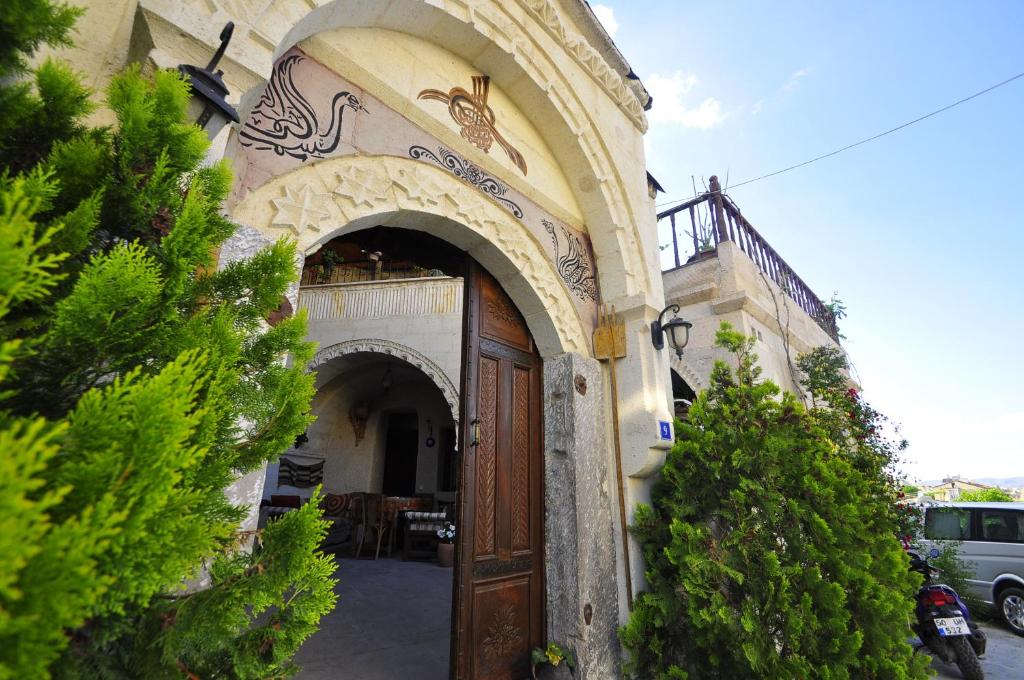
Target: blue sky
pixel 921 233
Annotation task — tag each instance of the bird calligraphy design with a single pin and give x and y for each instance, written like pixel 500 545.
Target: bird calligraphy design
pixel 284 121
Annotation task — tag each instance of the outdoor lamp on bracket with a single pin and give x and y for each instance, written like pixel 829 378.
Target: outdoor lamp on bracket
pixel 675 329
pixel 208 106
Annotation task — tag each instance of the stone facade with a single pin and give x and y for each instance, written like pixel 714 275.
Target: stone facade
pixel 729 287
pixel 552 201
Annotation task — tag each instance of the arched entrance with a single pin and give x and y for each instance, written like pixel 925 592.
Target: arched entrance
pixel 399 166
pixel 369 403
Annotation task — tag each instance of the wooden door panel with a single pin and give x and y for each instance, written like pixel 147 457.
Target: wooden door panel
pixel 501 622
pixel 499 596
pixel 520 460
pixel 484 522
pixel 499 318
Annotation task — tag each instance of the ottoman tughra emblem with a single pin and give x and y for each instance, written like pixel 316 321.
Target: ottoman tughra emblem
pixel 475 117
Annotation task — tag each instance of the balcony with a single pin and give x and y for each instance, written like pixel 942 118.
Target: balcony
pixel 711 219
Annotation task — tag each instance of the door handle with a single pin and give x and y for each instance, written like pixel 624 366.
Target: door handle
pixel 474 432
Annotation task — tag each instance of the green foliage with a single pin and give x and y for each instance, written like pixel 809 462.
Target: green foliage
pixel 769 545
pixel 837 308
pixel 25 25
pixel 136 383
pixel 554 654
pixel 985 496
pixel 954 572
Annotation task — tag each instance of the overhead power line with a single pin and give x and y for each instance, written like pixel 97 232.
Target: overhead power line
pixel 868 139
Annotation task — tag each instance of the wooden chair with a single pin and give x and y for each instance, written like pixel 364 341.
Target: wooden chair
pixel 371 518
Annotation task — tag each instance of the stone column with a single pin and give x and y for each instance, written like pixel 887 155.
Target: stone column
pixel 581 573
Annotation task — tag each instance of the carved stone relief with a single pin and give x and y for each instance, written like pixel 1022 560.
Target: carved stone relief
pixel 353 187
pixel 573 264
pixel 466 171
pixel 264 24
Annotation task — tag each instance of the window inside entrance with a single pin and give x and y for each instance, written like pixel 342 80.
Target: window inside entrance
pixel 682 396
pixel 400 455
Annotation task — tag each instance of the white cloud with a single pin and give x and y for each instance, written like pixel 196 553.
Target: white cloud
pixel 606 15
pixel 671 105
pixel 794 80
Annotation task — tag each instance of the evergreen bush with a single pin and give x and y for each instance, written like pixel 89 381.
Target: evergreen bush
pixel 770 541
pixel 136 383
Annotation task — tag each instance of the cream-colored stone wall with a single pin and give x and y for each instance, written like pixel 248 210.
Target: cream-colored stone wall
pixel 731 288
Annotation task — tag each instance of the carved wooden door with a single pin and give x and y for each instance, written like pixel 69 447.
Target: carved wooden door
pixel 499 598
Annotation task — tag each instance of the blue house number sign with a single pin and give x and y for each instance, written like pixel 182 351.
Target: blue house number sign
pixel 665 430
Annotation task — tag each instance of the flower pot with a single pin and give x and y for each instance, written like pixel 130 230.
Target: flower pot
pixel 446 554
pixel 548 672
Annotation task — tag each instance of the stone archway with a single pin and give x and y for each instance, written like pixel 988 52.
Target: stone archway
pixel 406 354
pixel 687 373
pixel 320 201
pixel 530 47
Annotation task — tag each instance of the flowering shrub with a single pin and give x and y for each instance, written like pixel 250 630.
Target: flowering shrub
pixel 770 540
pixel 447 533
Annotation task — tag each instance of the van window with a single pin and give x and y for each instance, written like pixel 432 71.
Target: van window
pixel 1002 525
pixel 947 524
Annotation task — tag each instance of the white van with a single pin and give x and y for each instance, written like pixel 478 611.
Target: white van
pixel 993 547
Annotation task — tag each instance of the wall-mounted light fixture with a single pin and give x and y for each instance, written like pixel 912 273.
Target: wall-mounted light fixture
pixel 358 415
pixel 208 106
pixel 675 329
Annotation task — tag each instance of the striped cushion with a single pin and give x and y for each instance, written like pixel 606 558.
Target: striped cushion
pixel 425 521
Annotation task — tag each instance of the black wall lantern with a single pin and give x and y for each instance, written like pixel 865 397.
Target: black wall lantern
pixel 677 331
pixel 208 107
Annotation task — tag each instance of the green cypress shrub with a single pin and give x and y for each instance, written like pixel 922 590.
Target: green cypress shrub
pixel 136 383
pixel 770 546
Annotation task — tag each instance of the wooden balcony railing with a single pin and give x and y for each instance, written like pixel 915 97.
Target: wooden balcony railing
pixel 714 218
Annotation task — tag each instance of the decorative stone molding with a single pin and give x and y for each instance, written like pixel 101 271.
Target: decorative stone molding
pixel 299 210
pixel 394 349
pixel 382 299
pixel 368 190
pixel 545 12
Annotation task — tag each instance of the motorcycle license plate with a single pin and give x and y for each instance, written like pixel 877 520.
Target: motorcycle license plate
pixel 956 625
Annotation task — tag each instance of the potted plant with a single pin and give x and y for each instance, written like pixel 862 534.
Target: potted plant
pixel 330 260
pixel 705 242
pixel 552 662
pixel 446 545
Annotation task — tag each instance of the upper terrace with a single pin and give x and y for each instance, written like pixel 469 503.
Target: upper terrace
pixel 712 218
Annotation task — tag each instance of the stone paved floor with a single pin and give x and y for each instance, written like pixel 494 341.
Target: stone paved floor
pixel 1003 660
pixel 391 622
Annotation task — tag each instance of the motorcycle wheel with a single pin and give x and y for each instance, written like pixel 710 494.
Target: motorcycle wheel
pixel 966 659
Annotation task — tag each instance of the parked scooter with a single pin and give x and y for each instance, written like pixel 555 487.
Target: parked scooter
pixel 944 624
